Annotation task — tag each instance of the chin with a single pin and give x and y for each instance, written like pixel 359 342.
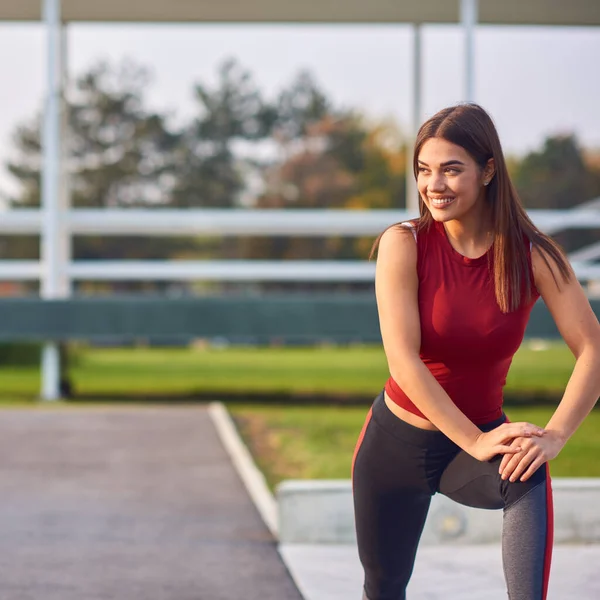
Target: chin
pixel 442 216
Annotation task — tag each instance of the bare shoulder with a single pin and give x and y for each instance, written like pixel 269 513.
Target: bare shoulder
pixel 397 243
pixel 547 273
pixel 566 301
pixel 396 260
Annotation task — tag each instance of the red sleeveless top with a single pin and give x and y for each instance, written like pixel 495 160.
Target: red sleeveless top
pixel 466 341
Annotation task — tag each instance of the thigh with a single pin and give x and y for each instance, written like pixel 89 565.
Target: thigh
pixel 391 501
pixel 475 483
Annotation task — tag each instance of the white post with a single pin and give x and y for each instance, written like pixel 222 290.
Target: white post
pixel 65 250
pixel 412 196
pixel 50 200
pixel 469 10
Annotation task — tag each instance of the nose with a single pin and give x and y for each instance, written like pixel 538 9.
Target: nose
pixel 436 183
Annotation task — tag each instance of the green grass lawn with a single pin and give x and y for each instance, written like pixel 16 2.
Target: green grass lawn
pixel 318 442
pixel 296 441
pixel 360 370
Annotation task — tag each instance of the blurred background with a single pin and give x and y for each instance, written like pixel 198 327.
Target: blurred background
pixel 234 125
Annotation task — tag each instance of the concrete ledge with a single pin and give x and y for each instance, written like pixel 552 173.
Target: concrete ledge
pixel 321 512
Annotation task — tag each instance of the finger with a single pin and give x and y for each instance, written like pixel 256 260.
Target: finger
pixel 533 467
pixel 529 446
pixel 527 429
pixel 512 465
pixel 523 465
pixel 507 450
pixel 526 445
pixel 503 438
pixel 507 457
pixel 509 431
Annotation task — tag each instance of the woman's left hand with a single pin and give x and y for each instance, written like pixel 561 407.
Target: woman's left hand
pixel 535 451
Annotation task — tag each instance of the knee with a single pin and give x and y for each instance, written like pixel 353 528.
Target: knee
pixel 514 491
pixel 385 588
pixel 384 580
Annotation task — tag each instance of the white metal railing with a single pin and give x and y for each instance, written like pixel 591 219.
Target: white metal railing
pixel 320 222
pixel 225 270
pixel 20 270
pixel 207 222
pixel 244 223
pixel 231 222
pixel 590 252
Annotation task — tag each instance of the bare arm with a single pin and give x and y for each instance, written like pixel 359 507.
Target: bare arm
pixel 396 286
pixel 579 327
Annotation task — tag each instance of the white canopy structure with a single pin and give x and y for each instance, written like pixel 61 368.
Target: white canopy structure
pixel 491 12
pixel 57 223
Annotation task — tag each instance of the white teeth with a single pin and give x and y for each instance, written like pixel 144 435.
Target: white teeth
pixel 441 201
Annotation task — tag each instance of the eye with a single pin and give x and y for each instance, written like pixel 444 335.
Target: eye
pixel 452 171
pixel 421 170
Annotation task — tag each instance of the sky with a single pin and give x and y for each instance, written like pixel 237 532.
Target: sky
pixel 534 81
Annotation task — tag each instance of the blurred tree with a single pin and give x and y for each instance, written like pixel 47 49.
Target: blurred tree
pixel 298 108
pixel 212 170
pixel 299 150
pixel 381 178
pixel 559 177
pixel 337 162
pixel 26 164
pixel 119 154
pixel 592 160
pixel 556 177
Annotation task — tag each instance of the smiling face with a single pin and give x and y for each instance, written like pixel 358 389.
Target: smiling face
pixel 450 182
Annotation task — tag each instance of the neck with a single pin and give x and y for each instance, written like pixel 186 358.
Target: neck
pixel 471 235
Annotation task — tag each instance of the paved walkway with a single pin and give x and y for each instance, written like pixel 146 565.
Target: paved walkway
pixel 131 504
pixel 441 573
pixel 144 504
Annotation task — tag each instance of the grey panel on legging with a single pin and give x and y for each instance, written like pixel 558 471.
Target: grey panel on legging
pixel 524 542
pixel 525 528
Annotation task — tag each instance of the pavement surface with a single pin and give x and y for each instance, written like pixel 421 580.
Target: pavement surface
pixel 442 573
pixel 145 504
pixel 131 504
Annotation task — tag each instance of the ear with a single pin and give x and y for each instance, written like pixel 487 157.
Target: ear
pixel 488 171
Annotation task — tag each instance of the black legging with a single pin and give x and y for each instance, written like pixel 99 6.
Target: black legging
pixel 396 470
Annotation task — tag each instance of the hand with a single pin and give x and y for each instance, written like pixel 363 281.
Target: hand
pixel 533 454
pixel 498 441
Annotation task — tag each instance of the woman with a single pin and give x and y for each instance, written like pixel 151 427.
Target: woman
pixel 454 292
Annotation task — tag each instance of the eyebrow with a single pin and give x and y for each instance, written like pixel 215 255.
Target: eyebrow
pixel 445 164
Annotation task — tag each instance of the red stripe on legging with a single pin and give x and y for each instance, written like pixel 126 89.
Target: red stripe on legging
pixel 549 532
pixel 360 439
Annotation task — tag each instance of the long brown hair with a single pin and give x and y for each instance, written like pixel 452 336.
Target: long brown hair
pixel 470 127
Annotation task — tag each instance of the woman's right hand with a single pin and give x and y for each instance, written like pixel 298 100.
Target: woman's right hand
pixel 491 443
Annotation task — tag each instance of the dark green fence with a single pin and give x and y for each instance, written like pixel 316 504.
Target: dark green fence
pixel 260 319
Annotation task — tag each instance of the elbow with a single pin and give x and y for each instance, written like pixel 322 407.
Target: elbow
pixel 590 346
pixel 404 369
pixel 589 353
